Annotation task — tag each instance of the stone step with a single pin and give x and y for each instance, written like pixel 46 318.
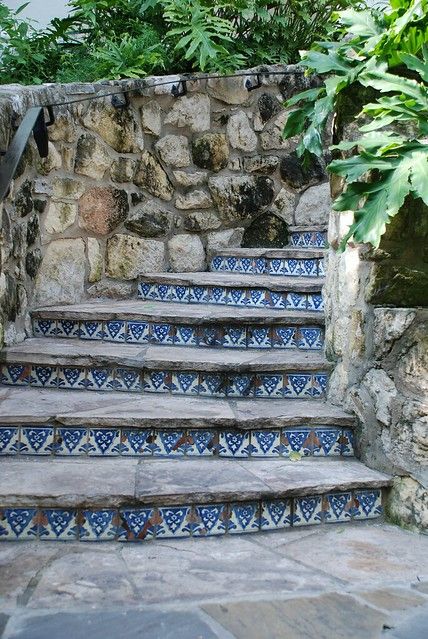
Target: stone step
pixel 35 421
pixel 130 500
pixel 200 325
pixel 109 366
pixel 288 262
pixel 234 289
pixel 303 237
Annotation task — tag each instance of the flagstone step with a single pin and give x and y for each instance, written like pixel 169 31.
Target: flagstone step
pixel 234 289
pixel 201 325
pixel 109 366
pixel 289 262
pixel 129 500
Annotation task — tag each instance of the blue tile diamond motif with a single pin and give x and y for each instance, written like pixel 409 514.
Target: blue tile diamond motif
pixel 135 442
pixel 71 441
pixel 298 441
pixel 67 328
pixel 127 379
pixel 275 514
pixel 367 504
pixel 91 330
pixel 310 338
pixel 269 385
pixel 71 377
pixel 265 443
pixel 115 331
pixel 15 374
pixel 169 443
pixel 244 518
pixel 259 337
pixel 36 440
pixel 44 327
pixel 19 523
pixel 58 524
pixel 138 332
pixel 174 522
pixel 103 441
pixel 337 507
pixel 307 510
pixel 136 525
pixel 211 520
pixel 185 383
pixel 162 334
pixel 284 337
pixel 185 336
pixel 234 444
pixel 327 442
pixel 201 442
pixel 98 525
pixel 9 440
pixel 43 376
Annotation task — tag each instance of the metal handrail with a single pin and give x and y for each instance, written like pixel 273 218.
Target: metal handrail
pixel 33 122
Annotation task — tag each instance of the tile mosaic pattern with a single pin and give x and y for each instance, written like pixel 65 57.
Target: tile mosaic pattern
pixel 66 441
pixel 268 266
pixel 204 335
pixel 189 520
pixel 303 385
pixel 243 297
pixel 308 239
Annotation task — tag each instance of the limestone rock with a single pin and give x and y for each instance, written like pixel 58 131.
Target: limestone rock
pixel 66 188
pixel 186 253
pixel 283 206
pixel 230 238
pixel 382 390
pixel 113 290
pixel 151 176
pixel 23 200
pixel 296 175
pixel 102 209
pixel 61 276
pixel 174 150
pixel 271 137
pixel 60 216
pixel 64 128
pixel 151 118
pixel 194 200
pixel 95 259
pixel 241 135
pixel 314 206
pixel 211 151
pixel 122 170
pixel 127 257
pixel 92 158
pixel 408 503
pixel 51 162
pixel 191 111
pixel 241 197
pixel 265 164
pixel 268 106
pixel 229 90
pixel 389 325
pixel 33 230
pixel 151 220
pixel 190 179
pixel 267 231
pixel 117 127
pixel 200 221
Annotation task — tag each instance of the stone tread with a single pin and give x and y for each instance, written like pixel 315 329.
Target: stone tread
pixel 176 312
pixel 236 280
pixel 73 408
pixel 285 253
pixel 305 229
pixel 57 351
pixel 118 482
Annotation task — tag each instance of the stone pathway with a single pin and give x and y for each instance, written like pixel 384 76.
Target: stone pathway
pixel 349 581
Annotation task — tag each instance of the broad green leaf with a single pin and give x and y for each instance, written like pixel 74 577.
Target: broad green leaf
pixel 309 94
pixel 360 23
pixel 412 62
pixel 325 63
pixel 419 174
pixel 296 121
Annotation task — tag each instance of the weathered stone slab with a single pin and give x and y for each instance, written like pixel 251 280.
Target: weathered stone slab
pixel 211 151
pixel 186 253
pixel 241 197
pixel 151 176
pixel 191 111
pixel 174 150
pixel 128 256
pixel 102 209
pixel 61 275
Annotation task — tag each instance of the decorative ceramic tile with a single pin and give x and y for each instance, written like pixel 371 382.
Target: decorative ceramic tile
pixel 138 332
pixel 291 267
pixel 67 328
pixel 347 443
pixel 37 440
pixel 297 440
pixel 307 510
pixel 44 376
pixel 275 514
pixel 127 379
pixel 337 507
pixel 298 385
pixel 269 385
pixel 169 443
pixel 156 382
pixel 201 443
pixel 146 291
pixel 319 384
pixel 320 240
pixel 99 379
pixel 136 442
pixel 103 441
pixel 260 265
pixel 217 263
pixel 15 374
pixel 180 294
pixel 212 384
pixel 259 337
pixel 246 265
pixel 55 523
pixel 162 334
pixel 234 444
pixel 211 335
pixel 211 520
pixel 265 443
pixel 308 268
pixel 72 440
pixel 244 518
pixel 296 301
pixel 91 330
pixel 175 522
pixel 275 300
pixel 314 302
pixel 44 327
pixel 231 264
pixel 327 441
pixel 234 337
pixel 9 440
pixel 137 524
pixel 218 295
pixel 71 377
pixel 284 337
pixel 18 523
pixel 99 525
pixel 186 335
pixel 256 298
pixel 236 297
pixel 240 385
pixel 321 268
pixel 276 267
pixel 115 331
pixel 199 295
pixel 310 338
pixel 367 504
pixel 185 382
pixel 161 293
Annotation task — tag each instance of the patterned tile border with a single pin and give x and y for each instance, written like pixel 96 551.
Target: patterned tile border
pixel 205 384
pixel 200 520
pixel 247 298
pixel 306 239
pixel 268 266
pixel 66 441
pixel 205 336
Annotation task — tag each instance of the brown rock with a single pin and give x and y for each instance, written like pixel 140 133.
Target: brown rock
pixel 211 151
pixel 151 176
pixel 102 208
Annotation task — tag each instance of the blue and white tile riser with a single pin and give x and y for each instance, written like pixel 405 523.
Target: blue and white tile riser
pixel 245 298
pixel 308 239
pixel 189 520
pixel 67 441
pixel 303 385
pixel 205 335
pixel 268 266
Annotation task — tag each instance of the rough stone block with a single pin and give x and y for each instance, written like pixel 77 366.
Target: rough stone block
pixel 61 276
pixel 186 253
pixel 127 257
pixel 102 209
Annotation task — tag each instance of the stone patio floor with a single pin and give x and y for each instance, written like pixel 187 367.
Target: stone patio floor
pixel 348 581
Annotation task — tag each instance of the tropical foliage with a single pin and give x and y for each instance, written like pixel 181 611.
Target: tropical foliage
pixel 384 58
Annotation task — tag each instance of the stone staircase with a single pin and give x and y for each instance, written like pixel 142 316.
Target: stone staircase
pixel 197 409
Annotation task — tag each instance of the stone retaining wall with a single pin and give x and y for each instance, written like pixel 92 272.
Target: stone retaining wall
pixel 148 187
